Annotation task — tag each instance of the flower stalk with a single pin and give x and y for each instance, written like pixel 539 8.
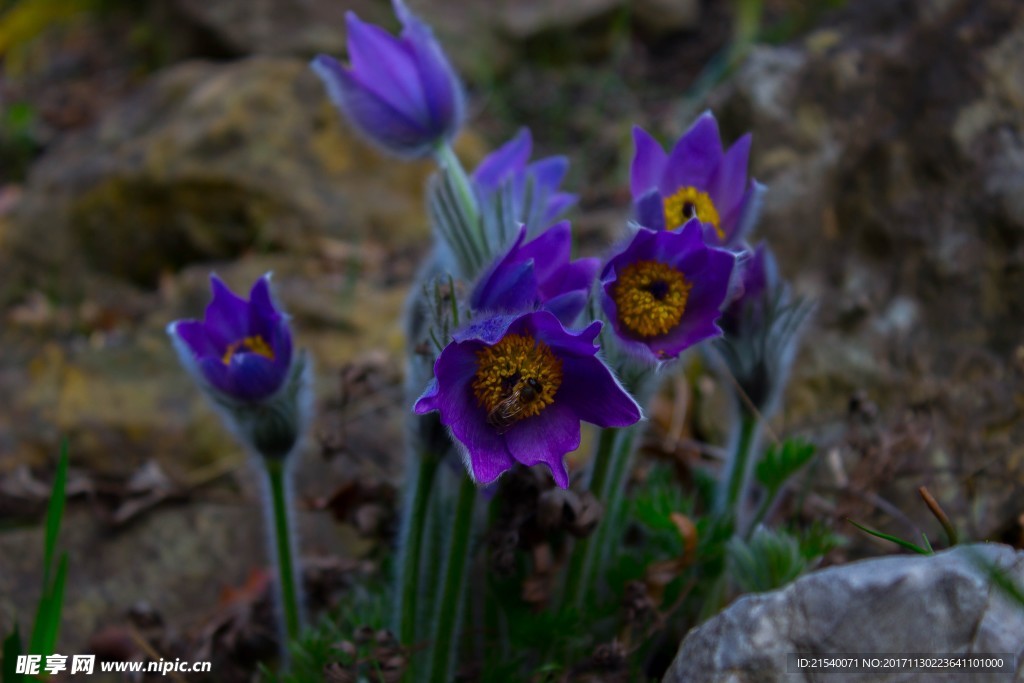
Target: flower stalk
pixel 414 512
pixel 450 605
pixel 734 485
pixel 286 567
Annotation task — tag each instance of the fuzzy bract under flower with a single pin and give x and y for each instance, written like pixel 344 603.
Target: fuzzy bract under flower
pixel 664 291
pixel 514 388
pixel 696 180
pixel 242 349
pixel 533 186
pixel 538 274
pixel 401 93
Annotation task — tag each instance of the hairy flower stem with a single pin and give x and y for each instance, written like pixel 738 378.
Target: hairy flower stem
pixel 286 572
pixel 418 486
pixel 734 484
pixel 448 161
pixel 449 607
pixel 611 465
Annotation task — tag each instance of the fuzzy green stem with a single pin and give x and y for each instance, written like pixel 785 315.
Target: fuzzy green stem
pixel 449 607
pixel 447 159
pixel 737 478
pixel 286 573
pixel 415 515
pixel 611 464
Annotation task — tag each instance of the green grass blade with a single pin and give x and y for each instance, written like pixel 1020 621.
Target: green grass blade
pixel 11 650
pixel 892 539
pixel 55 512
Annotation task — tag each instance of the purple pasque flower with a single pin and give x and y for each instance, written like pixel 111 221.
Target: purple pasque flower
pixel 242 349
pixel 401 93
pixel 514 388
pixel 696 180
pixel 537 274
pixel 664 291
pixel 536 199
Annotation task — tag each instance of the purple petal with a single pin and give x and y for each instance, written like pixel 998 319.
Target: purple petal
pixel 590 388
pixel 254 377
pixel 546 438
pixel 485 449
pixel 441 87
pixel 650 211
pixel 510 157
pixel 511 288
pixel 227 315
pixel 729 180
pixel 550 250
pixel 547 328
pixel 742 218
pixel 264 318
pixel 373 116
pixel 694 157
pixel 648 163
pixel 558 204
pixel 566 307
pixel 549 172
pixel 193 333
pixel 384 64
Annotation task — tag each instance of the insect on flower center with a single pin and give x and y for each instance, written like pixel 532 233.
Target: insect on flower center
pixel 254 344
pixel 687 203
pixel 515 379
pixel 650 297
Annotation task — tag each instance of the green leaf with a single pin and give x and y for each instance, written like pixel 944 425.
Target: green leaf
pixel 893 539
pixel 781 461
pixel 51 598
pixel 11 651
pixel 769 560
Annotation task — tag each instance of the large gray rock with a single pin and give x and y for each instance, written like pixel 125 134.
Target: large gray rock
pixel 944 604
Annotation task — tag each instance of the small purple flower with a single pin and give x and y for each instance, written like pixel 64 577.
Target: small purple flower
pixel 242 349
pixel 538 274
pixel 510 164
pixel 401 93
pixel 697 180
pixel 664 292
pixel 513 389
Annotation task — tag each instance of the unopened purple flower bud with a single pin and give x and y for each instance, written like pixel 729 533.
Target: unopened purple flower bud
pixel 400 93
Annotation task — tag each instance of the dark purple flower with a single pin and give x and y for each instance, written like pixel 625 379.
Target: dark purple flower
pixel 697 180
pixel 665 290
pixel 513 389
pixel 536 198
pixel 242 349
pixel 538 274
pixel 758 279
pixel 401 93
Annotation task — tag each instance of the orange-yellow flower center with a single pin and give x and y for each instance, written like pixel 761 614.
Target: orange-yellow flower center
pixel 255 344
pixel 650 297
pixel 687 203
pixel 515 379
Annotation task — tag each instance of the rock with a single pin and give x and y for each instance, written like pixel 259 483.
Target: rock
pixel 279 27
pixel 889 141
pixel 525 19
pixel 944 604
pixel 206 162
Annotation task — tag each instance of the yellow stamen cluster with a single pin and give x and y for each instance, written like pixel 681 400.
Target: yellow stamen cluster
pixel 650 297
pixel 687 203
pixel 504 369
pixel 255 344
